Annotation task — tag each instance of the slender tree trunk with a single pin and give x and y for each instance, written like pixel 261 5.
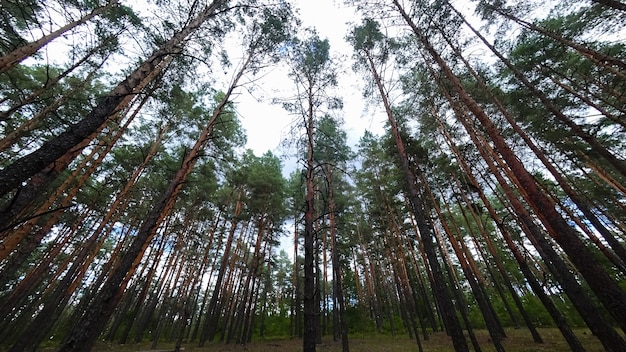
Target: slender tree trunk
pixel 250 282
pixel 57 300
pixel 600 59
pixel 19 302
pixel 618 164
pixel 52 81
pixel 27 196
pixel 141 296
pixel 556 315
pixel 337 276
pixel 368 274
pixel 198 278
pixel 266 288
pixel 297 327
pixel 87 329
pixel 146 310
pixel 22 169
pixel 210 322
pixel 457 292
pixel 318 274
pixel 493 325
pixel 606 288
pixel 325 289
pixel 429 308
pixel 174 269
pixel 408 306
pixel 619 249
pixel 595 321
pixel 196 328
pixel 29 241
pixel 310 303
pixel 233 291
pixel 440 288
pixel 11 59
pixel 585 98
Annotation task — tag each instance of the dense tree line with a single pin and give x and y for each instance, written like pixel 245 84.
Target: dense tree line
pixel 130 212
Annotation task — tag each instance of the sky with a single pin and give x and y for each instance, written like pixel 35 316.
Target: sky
pixel 268 124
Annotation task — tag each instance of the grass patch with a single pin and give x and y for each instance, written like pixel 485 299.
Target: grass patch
pixel 518 340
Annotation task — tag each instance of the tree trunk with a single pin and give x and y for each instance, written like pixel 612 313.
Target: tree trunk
pixel 606 288
pixel 337 276
pixel 556 315
pixel 457 292
pixel 595 321
pixel 598 58
pixel 210 322
pixel 50 82
pixel 29 241
pixel 87 329
pixel 142 295
pixel 439 284
pixel 585 98
pixel 618 164
pixel 619 249
pixel 295 309
pixel 11 59
pixel 308 341
pixel 26 196
pixel 22 169
pixel 493 324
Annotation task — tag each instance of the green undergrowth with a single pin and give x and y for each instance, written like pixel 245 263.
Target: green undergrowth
pixel 518 340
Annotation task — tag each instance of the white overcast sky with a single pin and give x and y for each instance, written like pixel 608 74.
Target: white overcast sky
pixel 267 125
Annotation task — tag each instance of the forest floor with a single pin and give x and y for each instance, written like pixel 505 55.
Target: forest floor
pixel 518 340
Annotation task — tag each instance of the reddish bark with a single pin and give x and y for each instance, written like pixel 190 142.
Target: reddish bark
pixel 11 59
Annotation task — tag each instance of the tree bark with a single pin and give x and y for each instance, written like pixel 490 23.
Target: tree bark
pixel 89 326
pixel 337 276
pixel 27 166
pixel 11 59
pixel 606 288
pixel 210 323
pixel 493 324
pixel 556 315
pixel 417 207
pixel 618 164
pixel 595 321
pixel 309 336
pixel 26 196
